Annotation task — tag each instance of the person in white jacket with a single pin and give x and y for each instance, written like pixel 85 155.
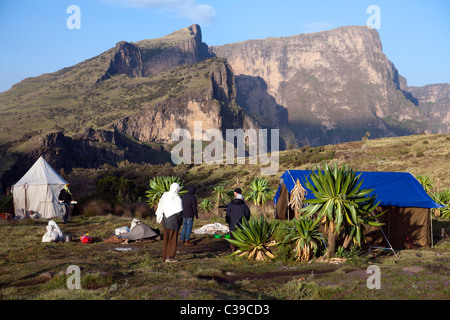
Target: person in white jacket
pixel 170 214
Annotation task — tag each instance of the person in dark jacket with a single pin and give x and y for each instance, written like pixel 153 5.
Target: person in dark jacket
pixel 65 198
pixel 189 213
pixel 237 210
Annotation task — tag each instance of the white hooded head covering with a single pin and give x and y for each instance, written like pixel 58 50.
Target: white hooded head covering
pixel 170 203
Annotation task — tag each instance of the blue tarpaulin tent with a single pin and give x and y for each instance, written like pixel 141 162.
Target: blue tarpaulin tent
pixel 398 189
pixel 405 203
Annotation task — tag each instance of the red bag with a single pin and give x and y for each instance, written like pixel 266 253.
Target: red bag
pixel 85 238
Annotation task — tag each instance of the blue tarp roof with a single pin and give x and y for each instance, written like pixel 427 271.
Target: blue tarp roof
pixel 398 189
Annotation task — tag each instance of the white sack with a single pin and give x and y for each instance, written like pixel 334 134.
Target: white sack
pixel 121 230
pixel 134 223
pixel 53 233
pixel 212 228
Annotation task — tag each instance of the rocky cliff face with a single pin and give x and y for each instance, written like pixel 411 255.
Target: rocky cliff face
pixel 434 101
pixel 89 149
pixel 212 103
pixel 331 86
pixel 127 59
pixel 149 57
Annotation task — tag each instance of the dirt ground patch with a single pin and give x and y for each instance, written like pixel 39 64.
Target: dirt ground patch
pixel 280 276
pixel 35 270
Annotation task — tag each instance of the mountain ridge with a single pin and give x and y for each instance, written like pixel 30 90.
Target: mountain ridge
pixel 319 77
pixel 319 88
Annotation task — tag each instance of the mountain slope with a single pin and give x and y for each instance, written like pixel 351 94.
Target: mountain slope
pixel 320 88
pixel 132 93
pixel 86 95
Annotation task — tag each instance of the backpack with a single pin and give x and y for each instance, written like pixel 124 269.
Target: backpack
pixel 86 238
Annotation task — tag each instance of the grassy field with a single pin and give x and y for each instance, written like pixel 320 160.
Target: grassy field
pixel 32 270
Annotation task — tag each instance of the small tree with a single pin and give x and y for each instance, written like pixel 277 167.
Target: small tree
pixel 219 192
pixel 260 193
pixel 443 198
pixel 339 202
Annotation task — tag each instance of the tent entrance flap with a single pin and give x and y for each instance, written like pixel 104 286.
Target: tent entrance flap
pixel 404 228
pixel 385 238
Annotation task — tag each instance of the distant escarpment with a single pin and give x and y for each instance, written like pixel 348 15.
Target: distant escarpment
pixel 97 92
pixel 328 87
pixel 434 101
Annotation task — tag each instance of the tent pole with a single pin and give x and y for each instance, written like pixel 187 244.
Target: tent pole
pixel 384 235
pixel 389 222
pixel 26 202
pixel 45 203
pixel 392 249
pixel 431 228
pixel 287 205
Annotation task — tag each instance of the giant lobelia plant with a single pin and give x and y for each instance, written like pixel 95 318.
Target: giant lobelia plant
pixel 340 203
pixel 159 185
pixel 253 239
pixel 306 236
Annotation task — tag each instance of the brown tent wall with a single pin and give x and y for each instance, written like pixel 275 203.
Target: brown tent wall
pixel 405 228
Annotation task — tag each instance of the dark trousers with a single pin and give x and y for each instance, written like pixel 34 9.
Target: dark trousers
pixel 170 243
pixel 232 246
pixel 67 212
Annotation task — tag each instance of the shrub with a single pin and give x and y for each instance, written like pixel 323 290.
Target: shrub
pixel 260 193
pixel 443 197
pixel 96 208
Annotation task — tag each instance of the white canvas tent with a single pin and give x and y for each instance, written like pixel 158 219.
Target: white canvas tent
pixel 38 191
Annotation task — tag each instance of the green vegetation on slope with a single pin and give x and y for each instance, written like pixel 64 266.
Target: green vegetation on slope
pixel 71 100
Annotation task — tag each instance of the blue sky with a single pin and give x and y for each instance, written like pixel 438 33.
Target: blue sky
pixel 35 38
